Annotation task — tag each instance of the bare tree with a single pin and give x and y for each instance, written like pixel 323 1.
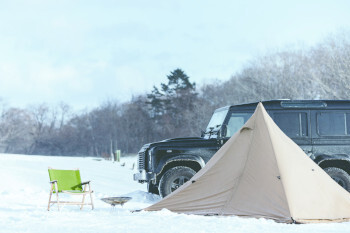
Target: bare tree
pixel 15 130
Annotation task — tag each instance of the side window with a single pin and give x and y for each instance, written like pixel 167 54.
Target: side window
pixel 333 123
pixel 294 124
pixel 236 121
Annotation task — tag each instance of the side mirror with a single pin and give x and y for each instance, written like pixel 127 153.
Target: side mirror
pixel 202 133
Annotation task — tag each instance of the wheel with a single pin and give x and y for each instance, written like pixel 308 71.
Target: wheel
pixel 151 188
pixel 340 176
pixel 173 179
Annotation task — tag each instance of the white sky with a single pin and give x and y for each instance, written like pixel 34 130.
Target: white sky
pixel 85 52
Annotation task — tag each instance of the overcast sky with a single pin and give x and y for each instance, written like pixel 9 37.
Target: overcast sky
pixel 85 52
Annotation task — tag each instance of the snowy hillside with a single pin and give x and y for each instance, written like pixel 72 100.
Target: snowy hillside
pixel 24 192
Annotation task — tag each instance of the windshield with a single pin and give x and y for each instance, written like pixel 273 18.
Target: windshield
pixel 216 120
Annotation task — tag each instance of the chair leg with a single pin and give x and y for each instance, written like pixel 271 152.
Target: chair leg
pixel 58 202
pixel 48 206
pixel 82 202
pixel 92 202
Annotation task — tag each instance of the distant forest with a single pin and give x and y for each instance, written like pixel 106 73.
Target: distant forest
pixel 177 107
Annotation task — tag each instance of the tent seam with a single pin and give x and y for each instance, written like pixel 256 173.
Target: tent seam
pixel 274 151
pixel 245 165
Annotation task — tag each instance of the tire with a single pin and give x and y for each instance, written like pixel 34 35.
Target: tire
pixel 151 188
pixel 340 176
pixel 173 179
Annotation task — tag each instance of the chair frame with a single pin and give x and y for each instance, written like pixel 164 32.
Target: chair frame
pixel 84 192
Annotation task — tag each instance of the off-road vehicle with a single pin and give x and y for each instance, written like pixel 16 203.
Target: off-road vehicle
pixel 320 127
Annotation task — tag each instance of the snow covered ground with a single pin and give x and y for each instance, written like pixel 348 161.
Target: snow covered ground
pixel 24 192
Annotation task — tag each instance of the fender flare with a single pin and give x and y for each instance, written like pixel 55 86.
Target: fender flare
pixel 319 159
pixel 340 161
pixel 179 158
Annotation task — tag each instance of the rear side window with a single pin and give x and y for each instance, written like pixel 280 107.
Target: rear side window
pixel 333 123
pixel 294 124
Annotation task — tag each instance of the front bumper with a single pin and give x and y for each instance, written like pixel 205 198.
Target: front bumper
pixel 144 176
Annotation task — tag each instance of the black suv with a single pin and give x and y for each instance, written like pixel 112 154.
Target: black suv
pixel 320 127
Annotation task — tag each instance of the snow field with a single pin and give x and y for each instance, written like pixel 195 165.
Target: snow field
pixel 24 193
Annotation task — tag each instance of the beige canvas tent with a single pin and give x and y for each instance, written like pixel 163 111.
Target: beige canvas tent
pixel 260 172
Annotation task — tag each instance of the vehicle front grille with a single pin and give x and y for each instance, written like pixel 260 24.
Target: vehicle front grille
pixel 142 160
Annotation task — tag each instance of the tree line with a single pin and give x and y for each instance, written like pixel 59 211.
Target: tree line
pixel 178 107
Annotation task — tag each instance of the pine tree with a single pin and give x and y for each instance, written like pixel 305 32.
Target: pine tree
pixel 174 98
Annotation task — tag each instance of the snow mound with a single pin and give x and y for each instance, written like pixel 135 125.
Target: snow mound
pixel 143 197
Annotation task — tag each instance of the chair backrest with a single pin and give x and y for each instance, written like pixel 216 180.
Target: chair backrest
pixel 66 179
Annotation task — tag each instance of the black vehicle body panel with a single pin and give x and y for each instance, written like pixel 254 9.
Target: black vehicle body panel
pixel 325 150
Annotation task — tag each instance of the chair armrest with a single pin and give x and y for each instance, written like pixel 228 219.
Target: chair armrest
pixel 86 182
pixel 53 181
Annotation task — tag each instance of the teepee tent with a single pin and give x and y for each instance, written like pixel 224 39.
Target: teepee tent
pixel 260 172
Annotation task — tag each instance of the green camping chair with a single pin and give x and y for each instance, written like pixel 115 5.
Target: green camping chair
pixel 68 182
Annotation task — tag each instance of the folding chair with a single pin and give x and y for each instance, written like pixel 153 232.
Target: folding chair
pixel 68 182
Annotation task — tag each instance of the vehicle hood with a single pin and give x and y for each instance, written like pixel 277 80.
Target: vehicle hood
pixel 180 142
